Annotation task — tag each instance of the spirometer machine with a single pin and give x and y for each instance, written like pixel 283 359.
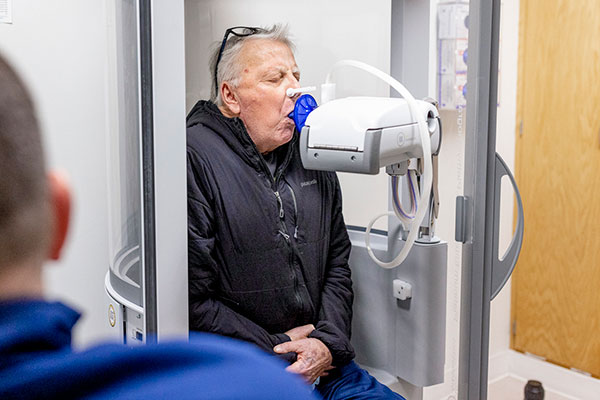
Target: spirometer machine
pixel 399 276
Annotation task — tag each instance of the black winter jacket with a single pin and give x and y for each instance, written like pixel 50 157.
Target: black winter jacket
pixel 266 254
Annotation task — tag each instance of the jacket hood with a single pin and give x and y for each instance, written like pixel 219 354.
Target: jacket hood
pixel 208 114
pixel 231 130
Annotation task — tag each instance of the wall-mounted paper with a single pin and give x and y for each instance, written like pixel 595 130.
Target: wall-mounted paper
pixel 5 11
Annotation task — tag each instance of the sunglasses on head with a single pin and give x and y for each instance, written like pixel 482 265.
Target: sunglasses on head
pixel 239 31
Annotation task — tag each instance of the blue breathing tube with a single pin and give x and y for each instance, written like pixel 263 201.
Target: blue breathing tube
pixel 304 106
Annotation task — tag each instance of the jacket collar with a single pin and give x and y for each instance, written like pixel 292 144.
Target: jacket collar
pixel 234 133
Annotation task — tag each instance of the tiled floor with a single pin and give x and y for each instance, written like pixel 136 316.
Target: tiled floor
pixel 511 388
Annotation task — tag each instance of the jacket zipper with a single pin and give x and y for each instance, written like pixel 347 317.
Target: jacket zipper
pixel 295 210
pixel 283 231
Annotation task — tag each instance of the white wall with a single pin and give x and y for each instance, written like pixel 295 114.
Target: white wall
pixel 58 47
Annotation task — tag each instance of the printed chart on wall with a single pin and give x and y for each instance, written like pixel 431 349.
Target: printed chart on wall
pixel 5 11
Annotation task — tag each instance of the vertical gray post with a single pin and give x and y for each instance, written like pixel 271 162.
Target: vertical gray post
pixel 164 169
pixel 410 39
pixel 149 203
pixel 410 43
pixel 480 148
pixel 168 73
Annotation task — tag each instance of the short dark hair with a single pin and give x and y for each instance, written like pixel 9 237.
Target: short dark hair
pixel 24 205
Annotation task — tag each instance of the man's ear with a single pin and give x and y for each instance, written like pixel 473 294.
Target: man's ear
pixel 230 100
pixel 60 208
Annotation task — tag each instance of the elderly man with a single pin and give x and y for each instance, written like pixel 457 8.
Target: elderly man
pixel 268 248
pixel 36 360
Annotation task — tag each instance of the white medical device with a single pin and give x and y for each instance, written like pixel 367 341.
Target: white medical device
pixel 363 134
pixel 399 306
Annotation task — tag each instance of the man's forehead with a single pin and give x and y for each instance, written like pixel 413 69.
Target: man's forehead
pixel 284 68
pixel 263 52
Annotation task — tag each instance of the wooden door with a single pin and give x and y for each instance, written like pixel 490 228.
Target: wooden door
pixel 556 284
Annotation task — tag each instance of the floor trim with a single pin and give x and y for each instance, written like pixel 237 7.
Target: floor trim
pixel 559 380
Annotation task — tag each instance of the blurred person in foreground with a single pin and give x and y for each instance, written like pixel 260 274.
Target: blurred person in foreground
pixel 36 359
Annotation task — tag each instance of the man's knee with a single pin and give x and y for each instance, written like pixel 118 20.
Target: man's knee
pixel 351 381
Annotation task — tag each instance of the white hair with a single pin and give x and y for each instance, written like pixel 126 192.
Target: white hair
pixel 229 69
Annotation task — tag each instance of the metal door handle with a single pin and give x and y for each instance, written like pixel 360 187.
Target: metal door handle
pixel 503 267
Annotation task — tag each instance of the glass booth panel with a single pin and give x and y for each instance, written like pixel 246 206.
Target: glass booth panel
pixel 124 167
pixel 397 37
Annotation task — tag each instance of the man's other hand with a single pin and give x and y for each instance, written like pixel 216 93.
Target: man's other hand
pixel 314 358
pixel 300 332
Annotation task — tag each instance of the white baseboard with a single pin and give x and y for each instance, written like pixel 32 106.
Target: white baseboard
pixel 558 380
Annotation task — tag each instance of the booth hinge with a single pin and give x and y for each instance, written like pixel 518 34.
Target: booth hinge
pixel 460 232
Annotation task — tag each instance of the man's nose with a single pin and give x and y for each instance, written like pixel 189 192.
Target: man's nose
pixel 294 83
